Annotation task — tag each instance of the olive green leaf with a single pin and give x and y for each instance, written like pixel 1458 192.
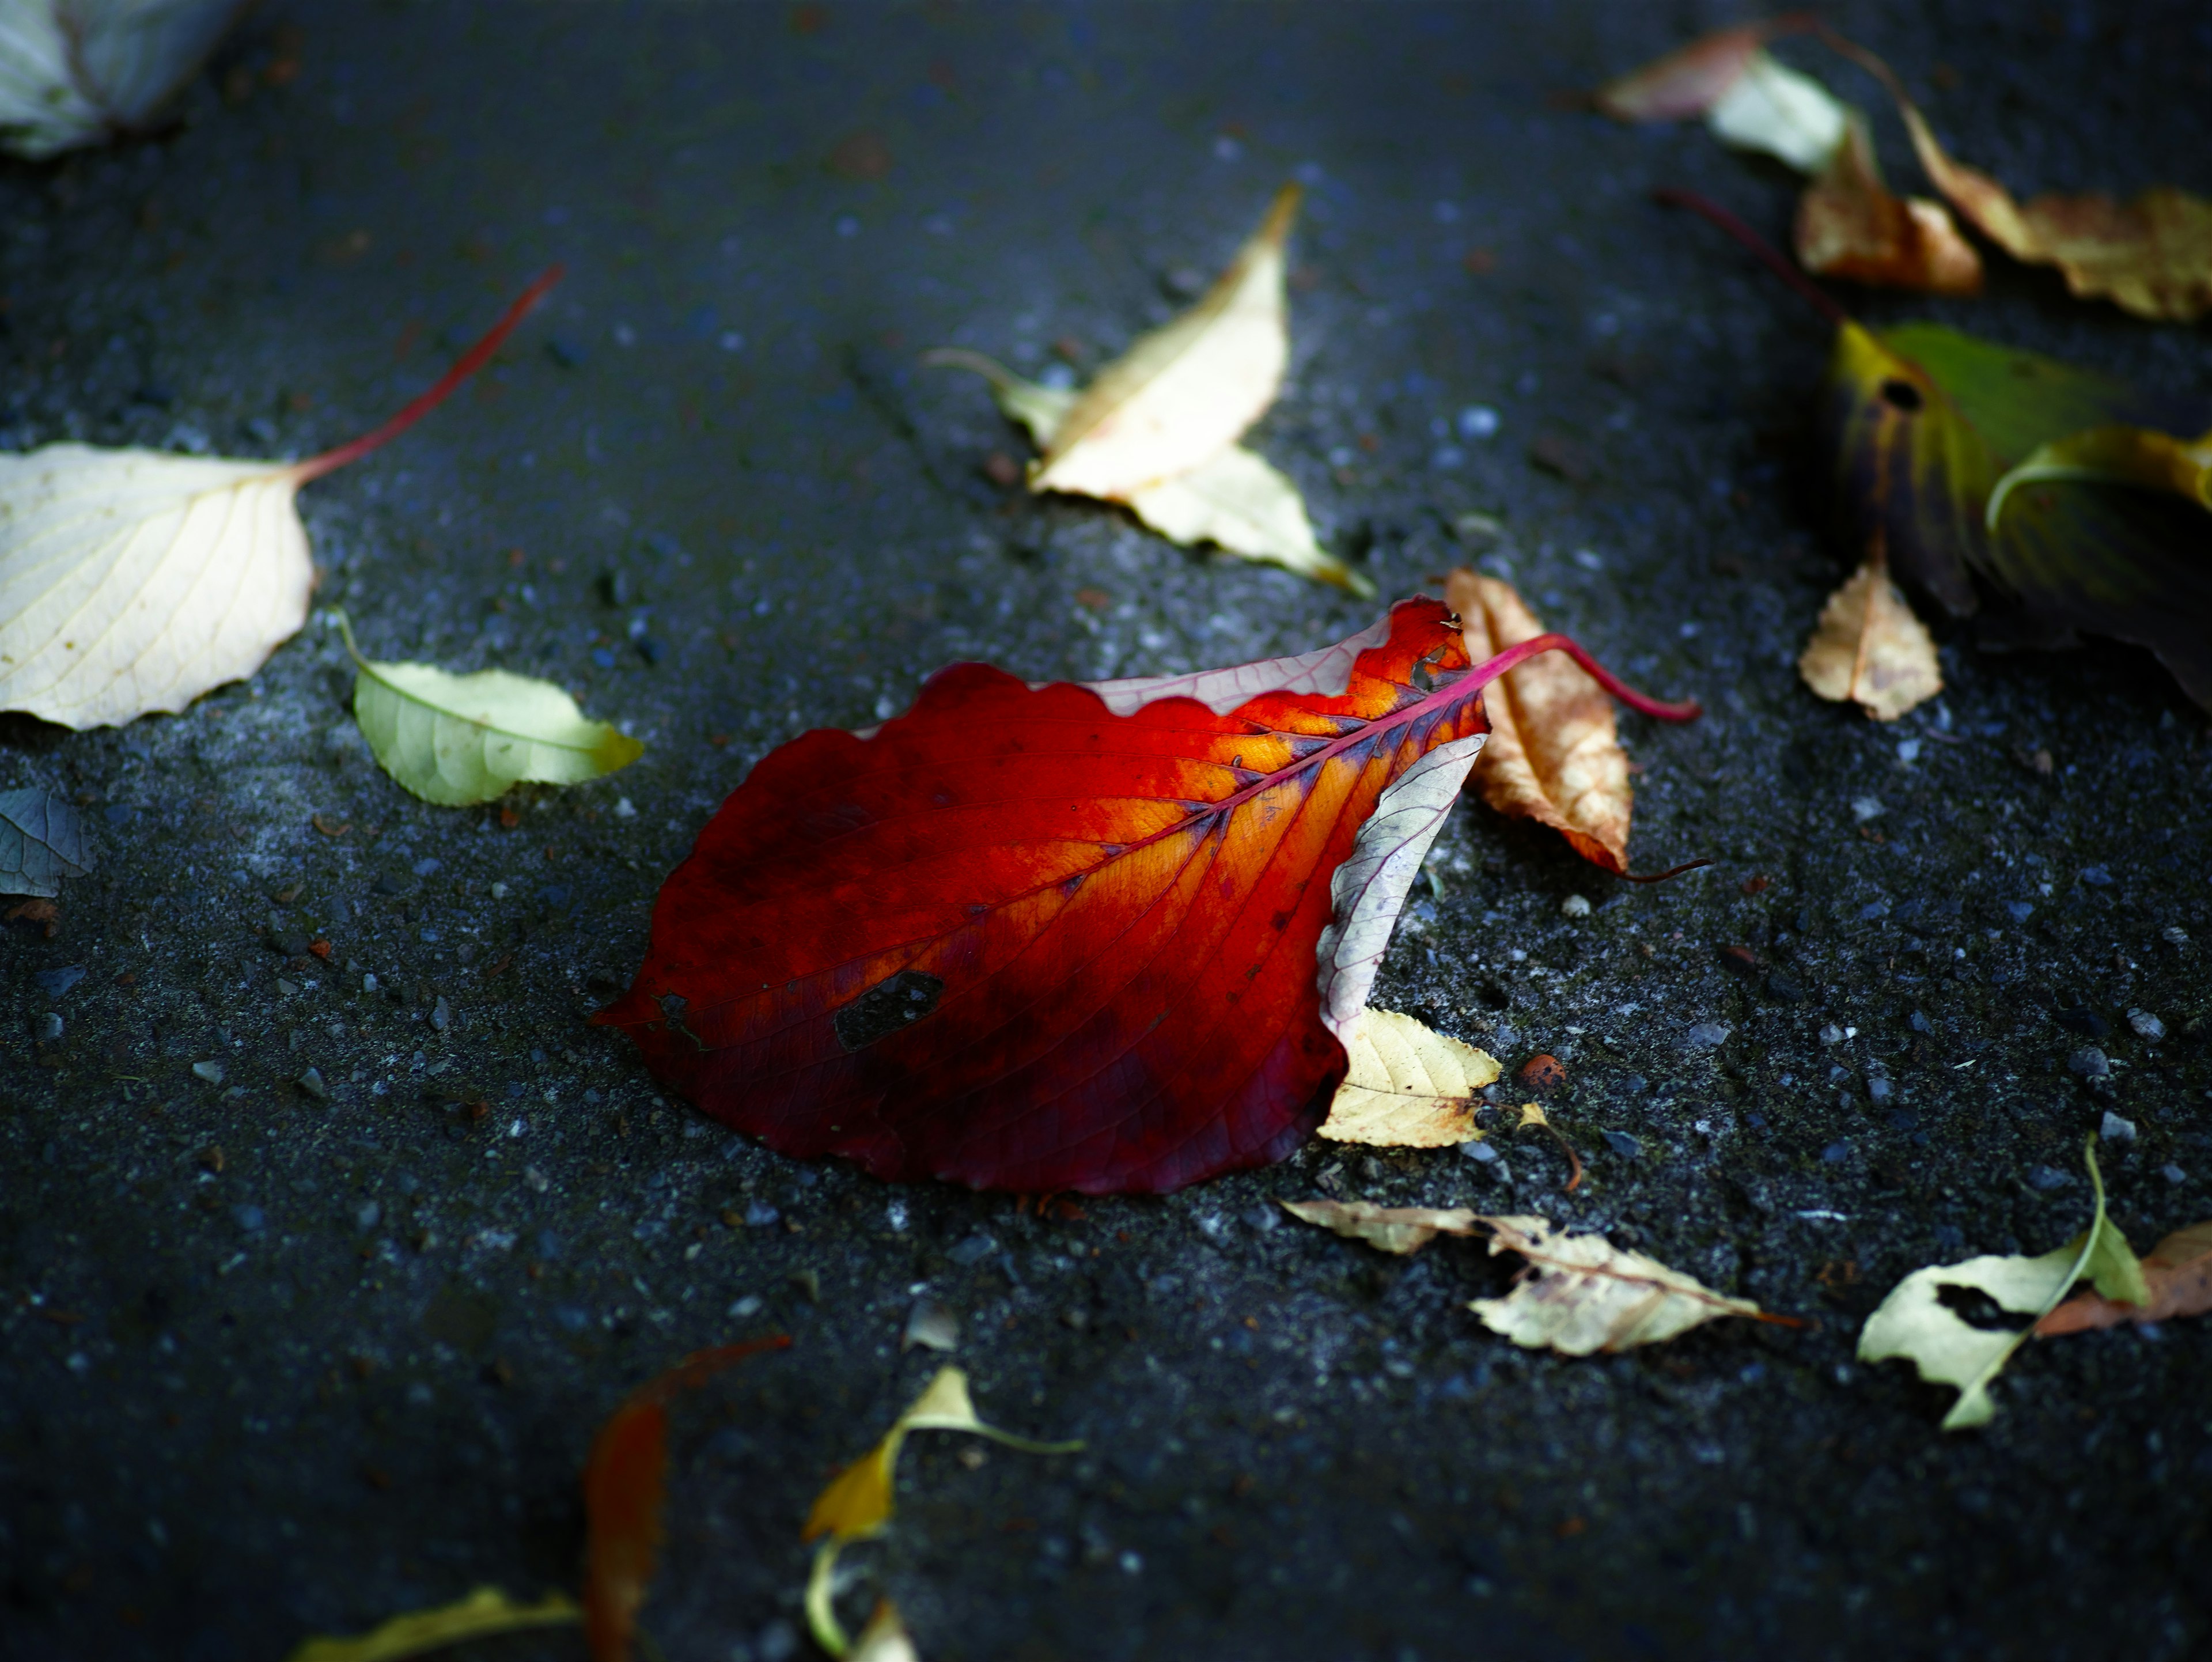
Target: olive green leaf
pixel 455 740
pixel 1914 1323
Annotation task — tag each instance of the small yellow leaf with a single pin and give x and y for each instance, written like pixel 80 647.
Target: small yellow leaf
pixel 1406 1086
pixel 485 1612
pixel 455 740
pixel 131 580
pixel 1554 753
pixel 1189 388
pixel 1583 1293
pixel 1532 1113
pixel 1399 1229
pixel 1868 648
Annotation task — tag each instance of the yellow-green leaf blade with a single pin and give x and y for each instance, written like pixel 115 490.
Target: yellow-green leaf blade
pixel 1241 503
pixel 455 740
pixel 2137 456
pixel 485 1612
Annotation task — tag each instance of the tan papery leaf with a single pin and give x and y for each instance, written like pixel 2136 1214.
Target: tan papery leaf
pixel 1850 224
pixel 1187 389
pixel 1582 1294
pixel 1869 649
pixel 1554 753
pixel 1406 1086
pixel 1690 80
pixel 1399 1229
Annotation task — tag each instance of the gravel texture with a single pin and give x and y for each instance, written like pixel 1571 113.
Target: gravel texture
pixel 318 1272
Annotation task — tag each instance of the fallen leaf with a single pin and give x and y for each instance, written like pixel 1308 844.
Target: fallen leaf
pixel 1779 112
pixel 457 740
pixel 1850 225
pixel 2133 456
pixel 1554 752
pixel 1690 80
pixel 1914 1323
pixel 41 842
pixel 1399 1229
pixel 1187 389
pixel 1868 648
pixel 483 1613
pixel 1095 938
pixel 1405 1085
pixel 885 1638
pixel 133 580
pixel 858 1503
pixel 2177 1277
pixel 73 73
pixel 625 1486
pixel 1235 500
pixel 1580 1293
pixel 2152 256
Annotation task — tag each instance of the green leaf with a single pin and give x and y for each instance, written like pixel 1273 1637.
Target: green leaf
pixel 455 740
pixel 1929 421
pixel 1914 1323
pixel 485 1612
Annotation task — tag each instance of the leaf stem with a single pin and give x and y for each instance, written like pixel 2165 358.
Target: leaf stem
pixel 469 362
pixel 1686 710
pixel 1711 211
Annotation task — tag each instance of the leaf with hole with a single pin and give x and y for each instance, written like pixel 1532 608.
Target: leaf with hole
pixel 1100 937
pixel 2176 1275
pixel 131 580
pixel 458 740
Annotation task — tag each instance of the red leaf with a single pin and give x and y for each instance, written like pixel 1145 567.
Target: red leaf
pixel 625 1483
pixel 1064 937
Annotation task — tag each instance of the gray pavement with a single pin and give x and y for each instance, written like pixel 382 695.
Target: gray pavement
pixel 351 1362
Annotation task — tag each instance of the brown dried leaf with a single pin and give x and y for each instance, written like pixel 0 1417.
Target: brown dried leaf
pixel 1850 225
pixel 1582 1294
pixel 1406 1086
pixel 1868 648
pixel 2178 1273
pixel 1554 754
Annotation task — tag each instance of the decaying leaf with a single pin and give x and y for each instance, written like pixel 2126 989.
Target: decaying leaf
pixel 455 740
pixel 41 842
pixel 133 581
pixel 858 1502
pixel 2177 1280
pixel 1235 500
pixel 75 72
pixel 483 1613
pixel 1868 648
pixel 1100 938
pixel 2152 256
pixel 1406 1086
pixel 1187 389
pixel 1399 1229
pixel 625 1484
pixel 1580 1293
pixel 1851 225
pixel 1913 1323
pixel 1554 752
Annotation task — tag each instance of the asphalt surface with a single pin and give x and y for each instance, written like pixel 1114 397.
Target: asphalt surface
pixel 350 1364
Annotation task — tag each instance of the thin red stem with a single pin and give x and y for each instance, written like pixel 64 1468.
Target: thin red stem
pixel 470 362
pixel 1513 657
pixel 1706 208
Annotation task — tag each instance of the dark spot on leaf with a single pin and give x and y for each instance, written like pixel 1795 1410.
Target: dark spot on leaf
pixel 1900 395
pixel 888 1008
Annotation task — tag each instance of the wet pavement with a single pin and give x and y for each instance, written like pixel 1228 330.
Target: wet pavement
pixel 281 1361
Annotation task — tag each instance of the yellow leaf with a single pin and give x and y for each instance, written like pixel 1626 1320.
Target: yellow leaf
pixel 1406 1086
pixel 1868 648
pixel 485 1612
pixel 1187 389
pixel 131 580
pixel 1554 752
pixel 1583 1293
pixel 2137 456
pixel 1399 1229
pixel 455 740
pixel 1237 501
pixel 856 1504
